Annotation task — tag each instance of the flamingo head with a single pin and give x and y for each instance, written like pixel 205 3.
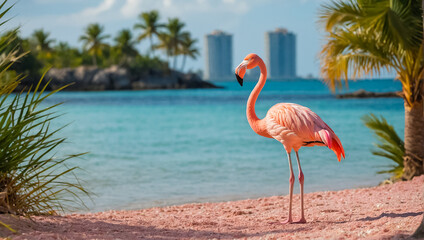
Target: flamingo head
pixel 249 62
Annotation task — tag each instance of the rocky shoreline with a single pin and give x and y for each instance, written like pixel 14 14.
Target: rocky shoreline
pixel 361 93
pixel 88 78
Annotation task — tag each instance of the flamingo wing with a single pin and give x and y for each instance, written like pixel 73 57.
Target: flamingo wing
pixel 296 126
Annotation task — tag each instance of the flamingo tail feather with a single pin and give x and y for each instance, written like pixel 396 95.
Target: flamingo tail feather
pixel 331 140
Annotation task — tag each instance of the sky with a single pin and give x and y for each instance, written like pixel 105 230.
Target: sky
pixel 247 20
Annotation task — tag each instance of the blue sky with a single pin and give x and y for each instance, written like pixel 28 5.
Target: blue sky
pixel 247 20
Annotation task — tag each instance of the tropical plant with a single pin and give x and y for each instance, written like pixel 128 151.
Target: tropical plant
pixel 24 62
pixel 9 55
pixel 42 40
pixel 390 145
pixel 93 39
pixel 171 40
pixel 367 36
pixel 66 56
pixel 124 47
pixel 164 44
pixel 150 27
pixel 33 180
pixel 187 49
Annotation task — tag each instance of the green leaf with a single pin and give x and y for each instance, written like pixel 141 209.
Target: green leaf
pixel 390 145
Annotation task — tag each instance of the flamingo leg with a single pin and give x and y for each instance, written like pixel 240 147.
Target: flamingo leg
pixel 301 181
pixel 291 181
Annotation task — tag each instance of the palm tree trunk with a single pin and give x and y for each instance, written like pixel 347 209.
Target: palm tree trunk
pixel 414 141
pixel 419 233
pixel 94 60
pixel 175 62
pixel 183 65
pixel 151 46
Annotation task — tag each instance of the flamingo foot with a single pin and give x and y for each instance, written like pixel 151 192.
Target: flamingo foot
pixel 288 221
pixel 302 220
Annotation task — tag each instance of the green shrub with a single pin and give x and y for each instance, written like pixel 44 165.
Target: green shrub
pixel 33 180
pixel 390 145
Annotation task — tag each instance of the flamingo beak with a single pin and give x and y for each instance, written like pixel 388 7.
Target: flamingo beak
pixel 239 79
pixel 240 71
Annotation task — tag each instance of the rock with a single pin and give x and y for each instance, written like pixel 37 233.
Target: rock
pixel 361 93
pixel 116 78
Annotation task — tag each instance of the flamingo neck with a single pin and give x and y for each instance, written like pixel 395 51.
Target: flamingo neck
pixel 258 125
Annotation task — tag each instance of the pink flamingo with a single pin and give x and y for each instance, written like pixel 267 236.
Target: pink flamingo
pixel 291 124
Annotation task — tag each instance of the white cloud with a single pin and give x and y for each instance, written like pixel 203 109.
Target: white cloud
pixel 94 11
pixel 132 8
pixel 101 13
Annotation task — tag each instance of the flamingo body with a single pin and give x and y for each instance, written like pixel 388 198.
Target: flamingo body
pixel 293 125
pixel 296 126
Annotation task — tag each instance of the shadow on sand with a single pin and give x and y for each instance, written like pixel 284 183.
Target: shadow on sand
pixel 392 215
pixel 86 229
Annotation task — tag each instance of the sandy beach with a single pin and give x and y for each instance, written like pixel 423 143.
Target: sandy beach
pixel 384 212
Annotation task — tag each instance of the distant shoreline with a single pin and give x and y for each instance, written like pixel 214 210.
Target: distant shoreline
pixel 361 93
pixel 89 78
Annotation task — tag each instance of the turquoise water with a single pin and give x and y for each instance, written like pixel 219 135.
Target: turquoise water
pixel 166 147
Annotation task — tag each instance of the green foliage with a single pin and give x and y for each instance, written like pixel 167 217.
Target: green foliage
pixel 65 56
pixel 33 180
pixel 144 65
pixel 124 51
pixel 42 40
pixel 172 39
pixel 187 49
pixel 8 78
pixel 390 145
pixel 39 52
pixel 9 55
pixel 93 39
pixel 27 63
pixel 367 36
pixel 150 26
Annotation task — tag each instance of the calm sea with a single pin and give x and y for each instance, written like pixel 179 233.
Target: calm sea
pixel 166 147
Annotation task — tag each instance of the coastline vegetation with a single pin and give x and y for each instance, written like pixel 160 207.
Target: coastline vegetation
pixel 34 178
pixel 43 52
pixel 365 37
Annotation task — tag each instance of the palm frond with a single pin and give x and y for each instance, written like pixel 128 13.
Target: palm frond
pixel 366 36
pixel 390 145
pixel 33 179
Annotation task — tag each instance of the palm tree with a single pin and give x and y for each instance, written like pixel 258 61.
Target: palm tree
pixel 66 56
pixel 165 44
pixel 93 40
pixel 62 50
pixel 42 40
pixel 150 26
pixel 172 39
pixel 188 49
pixel 125 45
pixel 367 36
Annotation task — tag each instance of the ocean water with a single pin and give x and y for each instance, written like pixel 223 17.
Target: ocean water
pixel 167 147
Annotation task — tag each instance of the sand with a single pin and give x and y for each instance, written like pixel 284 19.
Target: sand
pixel 384 212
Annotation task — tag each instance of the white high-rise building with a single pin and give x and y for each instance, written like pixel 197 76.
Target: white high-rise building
pixel 219 56
pixel 280 51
